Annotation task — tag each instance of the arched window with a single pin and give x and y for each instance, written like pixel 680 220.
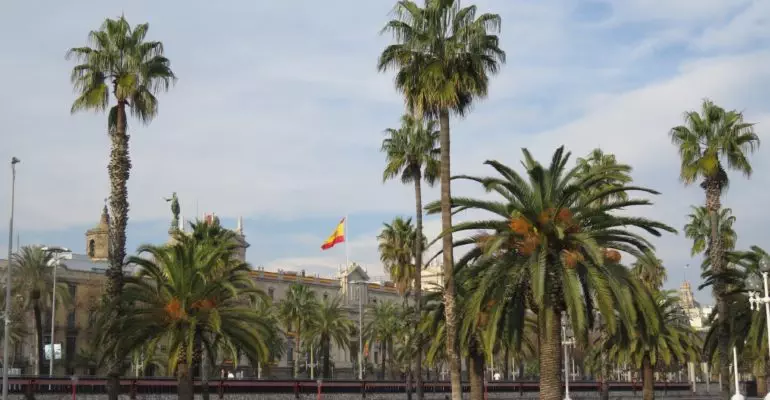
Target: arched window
pixel 91 248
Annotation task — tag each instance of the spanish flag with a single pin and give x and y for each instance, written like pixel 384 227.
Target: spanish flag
pixel 338 236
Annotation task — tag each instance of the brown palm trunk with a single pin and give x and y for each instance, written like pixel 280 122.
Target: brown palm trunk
pixel 184 378
pixel 327 362
pixel 760 369
pixel 38 340
pixel 476 370
pixel 549 322
pixel 605 388
pixel 383 350
pixel 418 284
pixel 506 366
pixel 648 379
pixel 453 351
pixel 713 192
pixel 119 169
pixel 296 352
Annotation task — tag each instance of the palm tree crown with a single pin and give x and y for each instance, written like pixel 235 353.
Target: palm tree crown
pixel 443 54
pixel 412 151
pixel 123 61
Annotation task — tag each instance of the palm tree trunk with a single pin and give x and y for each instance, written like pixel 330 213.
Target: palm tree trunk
pixel 383 351
pixel 409 379
pixel 713 192
pixel 549 338
pixel 760 369
pixel 506 366
pixel 605 389
pixel 201 360
pixel 453 351
pixel 296 353
pixel 327 362
pixel 476 370
pixel 418 284
pixel 38 340
pixel 648 379
pixel 184 379
pixel 119 169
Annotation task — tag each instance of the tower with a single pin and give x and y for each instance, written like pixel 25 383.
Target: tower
pixel 241 238
pixel 98 238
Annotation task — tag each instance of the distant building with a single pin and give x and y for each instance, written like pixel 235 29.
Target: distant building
pixel 433 276
pixel 84 275
pixel 697 314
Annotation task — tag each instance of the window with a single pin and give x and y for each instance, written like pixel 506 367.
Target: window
pixel 326 295
pixel 376 357
pixel 91 248
pixel 73 290
pixel 71 320
pixel 290 355
pixel 271 293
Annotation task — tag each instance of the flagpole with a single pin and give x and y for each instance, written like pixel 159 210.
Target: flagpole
pixel 347 239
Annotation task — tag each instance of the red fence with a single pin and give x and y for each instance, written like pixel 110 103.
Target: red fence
pixel 166 385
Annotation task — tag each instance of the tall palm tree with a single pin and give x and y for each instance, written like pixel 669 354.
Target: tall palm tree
pixel 33 281
pixel 18 328
pixel 444 54
pixel 650 270
pixel 330 323
pixel 296 311
pixel 381 327
pixel 707 141
pixel 396 246
pixel 698 228
pixel 616 177
pixel 135 69
pixel 182 295
pixel 412 153
pixel 542 227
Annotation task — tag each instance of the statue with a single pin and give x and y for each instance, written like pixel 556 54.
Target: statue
pixel 174 210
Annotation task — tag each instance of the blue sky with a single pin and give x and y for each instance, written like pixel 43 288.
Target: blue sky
pixel 278 113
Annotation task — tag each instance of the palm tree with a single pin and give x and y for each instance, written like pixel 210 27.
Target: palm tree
pixel 396 247
pixel 381 327
pixel 135 69
pixel 181 296
pixel 650 270
pixel 542 228
pixel 616 177
pixel 32 270
pixel 18 326
pixel 706 141
pixel 296 312
pixel 411 152
pixel 443 55
pixel 661 338
pixel 329 324
pixel 699 229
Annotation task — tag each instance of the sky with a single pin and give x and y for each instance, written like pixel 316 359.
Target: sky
pixel 278 113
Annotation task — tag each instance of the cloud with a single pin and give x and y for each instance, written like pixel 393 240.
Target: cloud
pixel 278 112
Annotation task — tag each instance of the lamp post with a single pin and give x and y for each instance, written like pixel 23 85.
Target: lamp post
pixel 566 343
pixel 6 317
pixel 56 251
pixel 755 300
pixel 360 331
pixel 737 395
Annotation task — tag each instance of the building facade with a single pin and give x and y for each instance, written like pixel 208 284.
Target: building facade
pixel 85 279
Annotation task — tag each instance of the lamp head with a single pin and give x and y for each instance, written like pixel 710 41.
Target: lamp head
pixel 15 160
pixel 763 266
pixel 55 249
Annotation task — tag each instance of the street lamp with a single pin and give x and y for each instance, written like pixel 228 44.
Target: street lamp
pixel 56 251
pixel 755 300
pixel 360 330
pixel 737 395
pixel 566 343
pixel 7 328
